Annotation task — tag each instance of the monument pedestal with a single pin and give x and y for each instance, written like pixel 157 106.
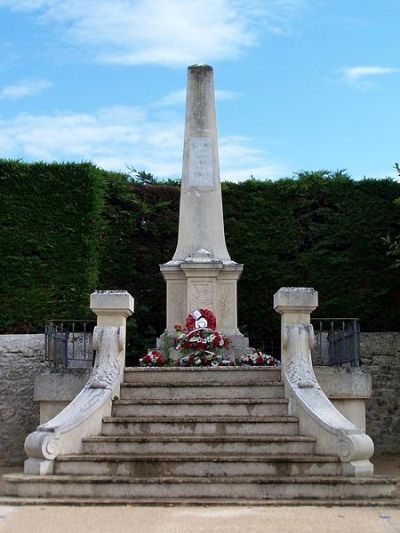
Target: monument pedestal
pixel 201 282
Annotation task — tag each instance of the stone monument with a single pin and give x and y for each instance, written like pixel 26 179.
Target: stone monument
pixel 201 273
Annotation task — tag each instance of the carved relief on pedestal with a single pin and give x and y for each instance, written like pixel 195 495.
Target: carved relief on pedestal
pixel 200 295
pixel 176 301
pixel 226 305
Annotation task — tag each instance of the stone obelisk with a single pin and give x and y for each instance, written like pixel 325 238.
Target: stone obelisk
pixel 201 273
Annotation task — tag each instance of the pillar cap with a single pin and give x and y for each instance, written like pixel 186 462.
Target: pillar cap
pixel 295 300
pixel 112 303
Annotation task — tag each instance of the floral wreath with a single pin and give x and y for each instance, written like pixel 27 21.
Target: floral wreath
pixel 206 314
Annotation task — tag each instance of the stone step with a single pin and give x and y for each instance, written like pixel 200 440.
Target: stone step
pixel 162 444
pixel 232 489
pixel 201 502
pixel 148 466
pixel 205 390
pixel 200 425
pixel 219 407
pixel 220 375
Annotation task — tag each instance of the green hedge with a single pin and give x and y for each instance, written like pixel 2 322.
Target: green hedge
pixel 140 233
pixel 68 229
pixel 50 218
pixel 322 230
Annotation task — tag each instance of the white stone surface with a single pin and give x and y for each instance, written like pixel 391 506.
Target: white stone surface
pixel 318 417
pixel 114 306
pixel 201 172
pixel 348 389
pixel 201 224
pixel 83 416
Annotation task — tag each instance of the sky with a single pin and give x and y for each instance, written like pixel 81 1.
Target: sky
pixel 300 84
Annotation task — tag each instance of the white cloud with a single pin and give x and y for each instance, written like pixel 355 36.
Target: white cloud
pixel 162 32
pixel 23 89
pixel 119 137
pixel 364 77
pixel 240 160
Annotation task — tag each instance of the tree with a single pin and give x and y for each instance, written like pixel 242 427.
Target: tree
pixel 394 244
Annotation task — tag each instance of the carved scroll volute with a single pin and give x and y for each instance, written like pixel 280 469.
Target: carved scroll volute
pixel 42 445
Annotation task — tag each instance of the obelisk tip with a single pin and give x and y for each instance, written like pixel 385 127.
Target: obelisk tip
pixel 200 68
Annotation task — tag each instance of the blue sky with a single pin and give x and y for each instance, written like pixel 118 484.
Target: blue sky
pixel 301 84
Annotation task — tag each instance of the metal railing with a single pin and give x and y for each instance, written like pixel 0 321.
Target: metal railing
pixel 68 343
pixel 337 341
pixel 269 345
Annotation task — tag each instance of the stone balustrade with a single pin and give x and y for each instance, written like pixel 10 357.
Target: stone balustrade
pixel 83 416
pixel 318 417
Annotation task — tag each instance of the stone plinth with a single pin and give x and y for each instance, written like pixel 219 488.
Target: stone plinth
pixel 211 285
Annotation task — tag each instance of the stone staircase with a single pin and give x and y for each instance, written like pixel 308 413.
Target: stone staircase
pixel 218 435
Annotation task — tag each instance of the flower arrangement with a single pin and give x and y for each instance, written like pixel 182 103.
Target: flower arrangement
pixel 201 339
pixel 200 342
pixel 152 358
pixel 201 345
pixel 258 358
pixel 204 358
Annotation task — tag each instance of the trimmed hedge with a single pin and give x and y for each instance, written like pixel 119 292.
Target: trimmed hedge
pixel 68 229
pixel 140 233
pixel 321 230
pixel 50 218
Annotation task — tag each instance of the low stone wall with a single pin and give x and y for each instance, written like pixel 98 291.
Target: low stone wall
pixel 348 389
pixel 21 359
pixel 380 353
pixel 54 391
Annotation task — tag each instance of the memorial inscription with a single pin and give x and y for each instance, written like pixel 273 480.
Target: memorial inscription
pixel 200 163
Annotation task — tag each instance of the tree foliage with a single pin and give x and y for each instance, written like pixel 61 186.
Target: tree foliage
pixel 393 243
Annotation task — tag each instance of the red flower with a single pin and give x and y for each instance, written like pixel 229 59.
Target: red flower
pixel 160 360
pixel 259 361
pixel 217 340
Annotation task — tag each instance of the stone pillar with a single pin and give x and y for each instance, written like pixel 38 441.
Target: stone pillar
pixel 201 273
pixel 295 304
pixel 112 309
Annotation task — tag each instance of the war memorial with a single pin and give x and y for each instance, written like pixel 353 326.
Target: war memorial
pixel 213 432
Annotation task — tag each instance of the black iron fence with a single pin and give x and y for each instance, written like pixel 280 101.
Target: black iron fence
pixel 269 345
pixel 68 343
pixel 337 341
